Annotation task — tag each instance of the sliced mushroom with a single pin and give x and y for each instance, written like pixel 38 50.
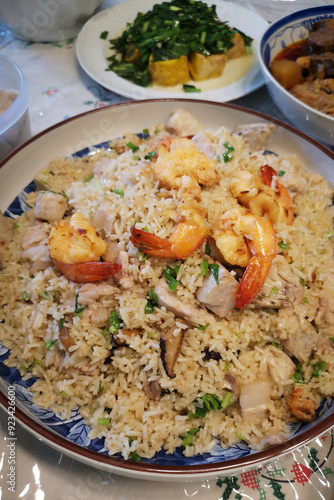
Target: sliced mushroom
pixel 153 390
pixel 219 298
pixel 170 346
pixel 189 312
pixel 66 339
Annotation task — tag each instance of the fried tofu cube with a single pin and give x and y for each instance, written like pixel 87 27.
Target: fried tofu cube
pixel 238 48
pixel 169 73
pixel 204 67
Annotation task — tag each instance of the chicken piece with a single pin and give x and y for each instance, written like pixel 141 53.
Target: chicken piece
pixel 50 206
pixel 281 367
pixel 294 183
pixel 185 160
pixel 91 371
pixel 280 288
pixel 272 440
pixel 98 315
pixel 255 135
pixel 254 398
pixel 153 390
pixel 301 405
pixel 189 312
pixel 170 346
pixel 203 144
pixel 35 248
pixel 169 73
pixel 204 67
pixel 91 292
pixel 182 123
pixel 33 235
pixel 6 233
pixel 301 345
pixel 104 218
pixel 219 298
pixel 122 277
pixel 322 311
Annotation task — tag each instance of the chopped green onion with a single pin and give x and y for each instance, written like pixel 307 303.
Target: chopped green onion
pixel 104 35
pixel 189 438
pixel 207 249
pixel 16 225
pixel 214 268
pixel 298 376
pixel 152 301
pixel 100 387
pixel 202 327
pixel 142 256
pixel 227 155
pixel 204 268
pixel 24 296
pixel 190 89
pixel 134 456
pixel 46 295
pixel 227 400
pixel 119 191
pixel 115 322
pixel 331 339
pixel 305 300
pixel 318 367
pixel 77 309
pixel 132 146
pixel 145 131
pixel 273 291
pixel 103 421
pixel 49 344
pixel 277 345
pixel 239 436
pixel 64 394
pixel 284 246
pixel 281 172
pixel 150 154
pixel 61 322
pixel 88 178
pixel 303 282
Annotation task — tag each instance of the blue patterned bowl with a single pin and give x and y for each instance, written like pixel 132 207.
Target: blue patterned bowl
pixel 79 136
pixel 280 34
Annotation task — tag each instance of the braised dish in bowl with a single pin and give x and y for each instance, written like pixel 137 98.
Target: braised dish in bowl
pixel 297 60
pixel 161 320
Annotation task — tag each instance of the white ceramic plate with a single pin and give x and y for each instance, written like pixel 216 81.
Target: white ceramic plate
pixel 92 52
pixel 85 131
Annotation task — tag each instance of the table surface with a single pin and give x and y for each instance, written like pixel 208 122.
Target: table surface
pixel 61 89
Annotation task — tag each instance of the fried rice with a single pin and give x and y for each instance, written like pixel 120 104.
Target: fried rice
pixel 115 372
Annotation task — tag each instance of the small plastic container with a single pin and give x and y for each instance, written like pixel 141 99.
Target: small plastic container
pixel 14 121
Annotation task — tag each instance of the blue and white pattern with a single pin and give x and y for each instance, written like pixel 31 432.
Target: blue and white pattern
pixel 75 430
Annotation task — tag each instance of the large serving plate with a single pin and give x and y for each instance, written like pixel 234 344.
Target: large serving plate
pixel 80 135
pixel 92 53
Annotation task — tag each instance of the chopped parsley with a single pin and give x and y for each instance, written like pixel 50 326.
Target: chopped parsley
pixel 204 268
pixel 214 268
pixel 152 301
pixel 170 275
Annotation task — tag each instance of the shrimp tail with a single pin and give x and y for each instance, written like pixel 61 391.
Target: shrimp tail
pixel 87 272
pixel 252 280
pixel 151 244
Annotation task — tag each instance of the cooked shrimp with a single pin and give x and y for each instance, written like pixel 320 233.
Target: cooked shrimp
pixel 245 239
pixel 189 233
pixel 177 157
pixel 76 248
pixel 264 197
pixel 269 176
